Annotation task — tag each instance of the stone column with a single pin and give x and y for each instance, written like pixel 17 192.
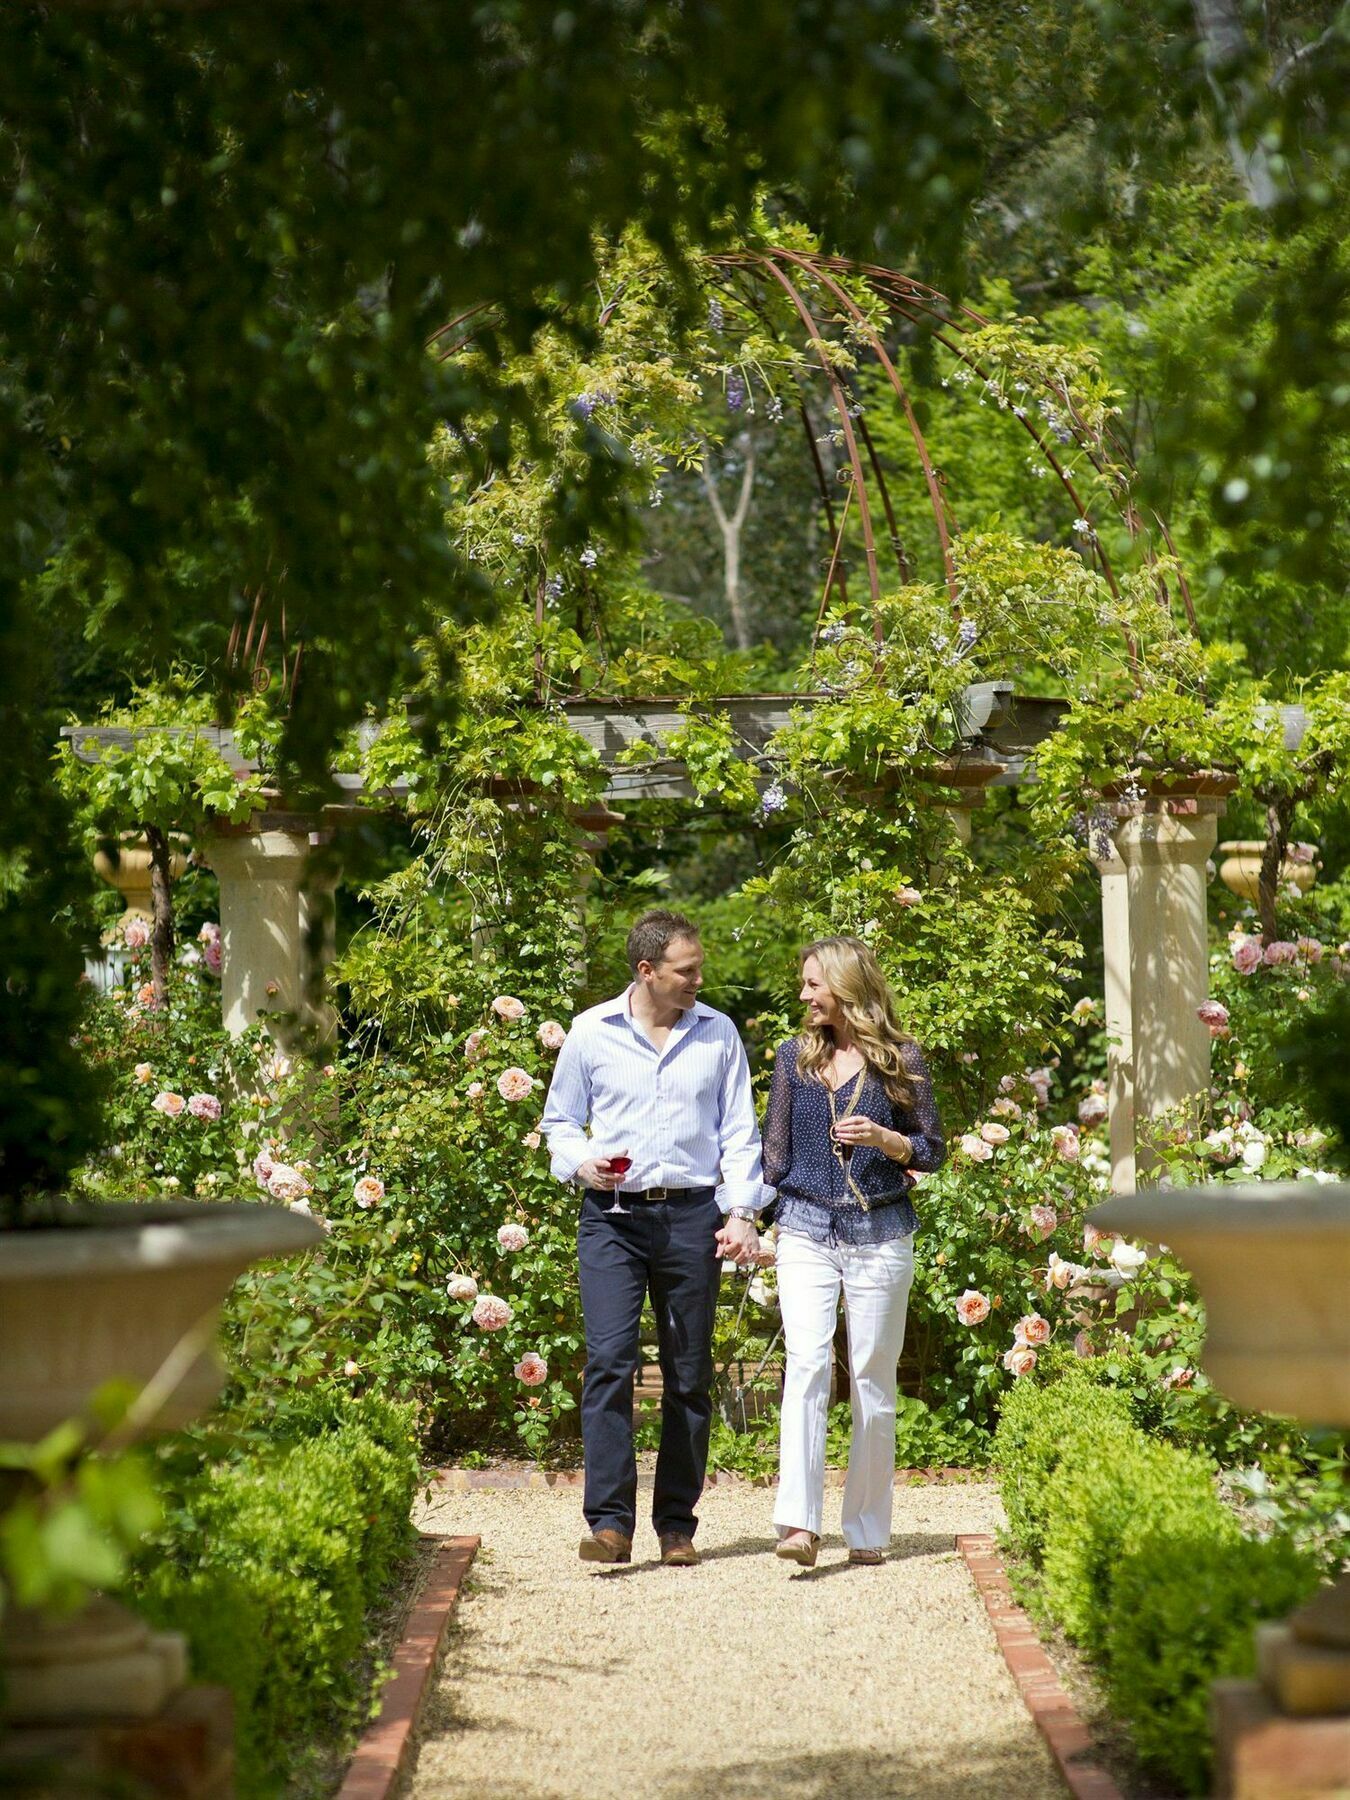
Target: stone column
pixel 1119 1018
pixel 1164 849
pixel 267 924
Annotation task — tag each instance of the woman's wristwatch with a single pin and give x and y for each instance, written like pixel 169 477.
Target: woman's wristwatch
pixel 743 1212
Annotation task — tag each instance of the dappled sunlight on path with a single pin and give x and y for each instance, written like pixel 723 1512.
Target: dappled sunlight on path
pixel 742 1679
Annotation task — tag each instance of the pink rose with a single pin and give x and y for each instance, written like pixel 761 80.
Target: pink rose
pixel 474 1091
pixel 1020 1360
pixel 263 1166
pixel 1060 1274
pixel 1310 948
pixel 1006 1109
pixel 1092 1109
pixel 972 1308
pixel 286 1183
pixel 1096 1243
pixel 531 1140
pixel 369 1191
pixel 974 1146
pixel 209 933
pixel 908 896
pixel 143 1073
pixel 1214 1014
pixel 1033 1329
pixel 515 1084
pixel 204 1106
pixel 532 1370
pixel 1065 1140
pixel 1040 1086
pixel 1246 953
pixel 1041 1221
pixel 994 1133
pixel 1301 853
pixel 490 1313
pixel 1082 1344
pixel 136 934
pixel 462 1287
pixel 473 1045
pixel 211 956
pixel 512 1236
pixel 1008 1084
pixel 1281 951
pixel 171 1105
pixel 1180 1377
pixel 507 1007
pixel 552 1035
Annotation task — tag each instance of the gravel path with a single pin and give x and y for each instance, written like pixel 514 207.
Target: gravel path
pixel 742 1679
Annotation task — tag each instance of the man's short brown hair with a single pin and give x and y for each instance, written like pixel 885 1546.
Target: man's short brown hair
pixel 654 933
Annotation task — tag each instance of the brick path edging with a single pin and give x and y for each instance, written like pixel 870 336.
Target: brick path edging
pixel 382 1752
pixel 1054 1713
pixel 464 1481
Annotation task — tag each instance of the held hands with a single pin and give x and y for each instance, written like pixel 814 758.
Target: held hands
pixel 738 1241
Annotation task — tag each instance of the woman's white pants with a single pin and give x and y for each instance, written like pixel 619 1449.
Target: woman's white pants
pixel 875 1280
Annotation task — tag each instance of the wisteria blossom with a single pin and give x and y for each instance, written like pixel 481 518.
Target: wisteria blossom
pixel 490 1313
pixel 462 1287
pixel 531 1370
pixel 368 1191
pixel 972 1308
pixel 203 1106
pixel 552 1035
pixel 515 1084
pixel 512 1236
pixel 507 1007
pixel 168 1103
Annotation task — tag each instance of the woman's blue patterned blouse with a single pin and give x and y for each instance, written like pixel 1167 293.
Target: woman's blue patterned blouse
pixel 813 1197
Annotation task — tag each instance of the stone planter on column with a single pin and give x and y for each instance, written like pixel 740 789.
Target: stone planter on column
pixel 125 865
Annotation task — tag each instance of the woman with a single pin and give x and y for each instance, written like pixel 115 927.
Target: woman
pixel 851 1114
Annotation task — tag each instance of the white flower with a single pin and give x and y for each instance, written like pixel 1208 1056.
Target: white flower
pixel 462 1287
pixel 1083 1010
pixel 1324 1176
pixel 994 1133
pixel 975 1147
pixel 1126 1259
pixel 1254 1153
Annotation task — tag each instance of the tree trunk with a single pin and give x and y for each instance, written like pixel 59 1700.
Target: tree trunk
pixel 1223 43
pixel 1279 817
pixel 732 525
pixel 161 901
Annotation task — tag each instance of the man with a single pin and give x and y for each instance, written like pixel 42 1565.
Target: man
pixel 671 1179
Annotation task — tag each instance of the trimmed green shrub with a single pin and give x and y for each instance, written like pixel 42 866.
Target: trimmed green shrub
pixel 1185 1604
pixel 1036 1427
pixel 1107 1481
pixel 270 1566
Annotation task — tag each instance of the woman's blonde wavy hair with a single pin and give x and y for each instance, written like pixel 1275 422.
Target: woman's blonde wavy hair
pixel 854 976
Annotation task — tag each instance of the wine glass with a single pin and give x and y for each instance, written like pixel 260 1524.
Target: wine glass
pixel 619 1165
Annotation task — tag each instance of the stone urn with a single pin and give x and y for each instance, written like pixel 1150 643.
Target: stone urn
pixel 125 865
pixel 120 1291
pixel 1240 870
pixel 1272 1262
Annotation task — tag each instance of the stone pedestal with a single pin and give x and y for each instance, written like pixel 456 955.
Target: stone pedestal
pixel 1157 961
pixel 276 927
pixel 1259 1754
pixel 101 1663
pixel 185 1751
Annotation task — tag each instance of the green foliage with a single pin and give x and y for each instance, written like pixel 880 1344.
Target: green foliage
pixel 1140 1561
pixel 270 1564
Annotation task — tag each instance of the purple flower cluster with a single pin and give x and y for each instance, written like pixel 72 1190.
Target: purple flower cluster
pixel 735 392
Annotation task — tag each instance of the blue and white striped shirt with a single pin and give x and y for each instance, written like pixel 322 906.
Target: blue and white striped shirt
pixel 685 1111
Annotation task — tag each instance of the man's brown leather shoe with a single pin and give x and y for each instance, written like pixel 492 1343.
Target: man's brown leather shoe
pixel 606 1546
pixel 677 1550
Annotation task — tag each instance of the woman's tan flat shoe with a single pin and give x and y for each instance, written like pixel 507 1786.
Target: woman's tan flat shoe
pixel 868 1557
pixel 800 1547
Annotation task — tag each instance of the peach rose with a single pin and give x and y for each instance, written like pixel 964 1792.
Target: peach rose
pixel 143 1073
pixel 972 1308
pixel 136 934
pixel 286 1183
pixel 552 1035
pixel 1006 1108
pixel 974 1146
pixel 515 1084
pixel 369 1191
pixel 531 1140
pixel 462 1287
pixel 1020 1360
pixel 1092 1110
pixel 170 1104
pixel 1060 1274
pixel 1065 1140
pixel 1127 1259
pixel 908 896
pixel 203 1106
pixel 490 1313
pixel 1095 1242
pixel 145 995
pixel 1041 1221
pixel 507 1007
pixel 532 1370
pixel 994 1133
pixel 1033 1329
pixel 512 1236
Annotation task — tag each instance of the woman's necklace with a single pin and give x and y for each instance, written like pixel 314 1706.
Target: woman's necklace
pixel 843 1153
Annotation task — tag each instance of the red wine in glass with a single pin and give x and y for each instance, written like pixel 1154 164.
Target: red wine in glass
pixel 619 1165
